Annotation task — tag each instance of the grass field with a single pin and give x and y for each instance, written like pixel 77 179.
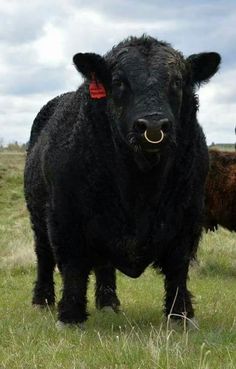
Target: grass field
pixel 138 337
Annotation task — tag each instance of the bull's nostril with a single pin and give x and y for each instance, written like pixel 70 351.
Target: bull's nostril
pixel 164 125
pixel 141 125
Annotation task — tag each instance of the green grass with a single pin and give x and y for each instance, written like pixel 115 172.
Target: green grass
pixel 15 234
pixel 138 337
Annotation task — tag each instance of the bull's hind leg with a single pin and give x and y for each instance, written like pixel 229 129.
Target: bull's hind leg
pixel 43 293
pixel 105 291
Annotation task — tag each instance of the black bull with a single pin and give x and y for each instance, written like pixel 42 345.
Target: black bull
pixel 115 175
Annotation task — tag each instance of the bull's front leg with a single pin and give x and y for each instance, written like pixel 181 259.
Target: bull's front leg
pixel 70 253
pixel 72 306
pixel 175 267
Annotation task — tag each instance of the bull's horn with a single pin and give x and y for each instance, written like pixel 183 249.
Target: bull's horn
pixel 151 141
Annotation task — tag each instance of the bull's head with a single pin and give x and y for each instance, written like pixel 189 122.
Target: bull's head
pixel 146 82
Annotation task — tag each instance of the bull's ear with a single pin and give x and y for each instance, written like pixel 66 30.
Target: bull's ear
pixel 92 65
pixel 203 66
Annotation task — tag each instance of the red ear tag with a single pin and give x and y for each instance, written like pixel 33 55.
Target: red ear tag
pixel 96 89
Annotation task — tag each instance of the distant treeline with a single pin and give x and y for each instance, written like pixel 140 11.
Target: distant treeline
pixel 223 146
pixel 13 146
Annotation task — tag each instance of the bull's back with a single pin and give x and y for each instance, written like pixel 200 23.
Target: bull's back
pixel 35 187
pixel 43 118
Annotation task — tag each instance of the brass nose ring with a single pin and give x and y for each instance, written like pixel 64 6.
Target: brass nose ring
pixel 151 141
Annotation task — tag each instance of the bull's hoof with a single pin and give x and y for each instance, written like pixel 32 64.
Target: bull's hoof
pixel 60 326
pixel 193 324
pixel 108 309
pixel 44 296
pixel 108 303
pixel 115 308
pixel 184 323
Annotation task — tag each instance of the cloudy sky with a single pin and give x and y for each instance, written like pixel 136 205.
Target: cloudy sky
pixel 39 37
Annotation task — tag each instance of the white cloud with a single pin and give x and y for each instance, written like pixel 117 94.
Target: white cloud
pixel 217 112
pixel 18 114
pixel 52 39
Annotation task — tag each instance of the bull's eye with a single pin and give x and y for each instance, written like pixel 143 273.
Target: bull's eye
pixel 177 83
pixel 118 89
pixel 118 83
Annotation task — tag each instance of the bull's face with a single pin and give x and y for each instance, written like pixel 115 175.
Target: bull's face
pixel 145 85
pixel 146 93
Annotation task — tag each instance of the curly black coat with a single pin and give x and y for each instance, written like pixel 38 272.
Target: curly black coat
pixel 100 195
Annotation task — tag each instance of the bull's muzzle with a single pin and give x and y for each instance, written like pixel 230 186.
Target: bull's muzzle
pixel 152 141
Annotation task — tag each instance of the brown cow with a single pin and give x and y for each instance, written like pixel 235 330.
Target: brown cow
pixel 221 191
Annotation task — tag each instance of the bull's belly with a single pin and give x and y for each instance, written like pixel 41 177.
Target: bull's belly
pixel 130 269
pixel 128 249
pixel 130 257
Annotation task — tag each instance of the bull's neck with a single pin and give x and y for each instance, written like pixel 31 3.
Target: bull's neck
pixel 134 172
pixel 140 178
